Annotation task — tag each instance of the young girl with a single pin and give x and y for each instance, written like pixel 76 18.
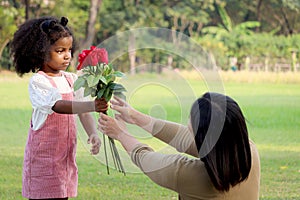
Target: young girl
pixel 46 45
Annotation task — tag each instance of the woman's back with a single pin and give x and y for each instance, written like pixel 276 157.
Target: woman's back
pixel 189 178
pixel 194 182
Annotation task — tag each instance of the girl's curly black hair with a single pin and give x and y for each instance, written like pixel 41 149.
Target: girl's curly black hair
pixel 31 43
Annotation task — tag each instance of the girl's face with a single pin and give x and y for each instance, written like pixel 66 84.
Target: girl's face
pixel 59 57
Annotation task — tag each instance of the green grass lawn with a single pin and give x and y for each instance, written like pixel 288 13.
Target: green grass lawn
pixel 272 111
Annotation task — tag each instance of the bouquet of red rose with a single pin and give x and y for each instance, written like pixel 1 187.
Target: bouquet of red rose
pixel 98 80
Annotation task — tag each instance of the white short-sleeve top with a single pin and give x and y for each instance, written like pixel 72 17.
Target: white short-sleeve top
pixel 43 95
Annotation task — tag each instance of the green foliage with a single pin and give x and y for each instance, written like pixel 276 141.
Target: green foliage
pixel 7 28
pixel 225 24
pixel 233 36
pixel 7 25
pixel 98 81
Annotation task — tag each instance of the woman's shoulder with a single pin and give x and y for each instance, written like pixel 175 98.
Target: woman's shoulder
pixel 254 153
pixel 252 145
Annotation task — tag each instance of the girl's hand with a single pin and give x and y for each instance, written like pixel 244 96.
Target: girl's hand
pixel 96 143
pixel 112 127
pixel 126 112
pixel 101 105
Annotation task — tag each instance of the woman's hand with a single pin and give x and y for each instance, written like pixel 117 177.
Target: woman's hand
pixel 96 143
pixel 101 105
pixel 116 129
pixel 126 112
pixel 111 127
pixel 130 115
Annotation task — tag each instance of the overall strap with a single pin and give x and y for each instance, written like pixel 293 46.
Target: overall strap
pixel 50 79
pixel 67 76
pixel 69 79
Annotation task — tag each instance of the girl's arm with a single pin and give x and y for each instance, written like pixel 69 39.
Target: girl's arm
pixel 78 107
pixel 90 128
pixel 82 108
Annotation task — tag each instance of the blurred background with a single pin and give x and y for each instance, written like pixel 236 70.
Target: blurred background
pixel 253 44
pixel 255 35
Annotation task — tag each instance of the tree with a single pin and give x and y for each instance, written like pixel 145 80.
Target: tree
pixel 187 17
pixel 90 25
pixel 85 39
pixel 233 36
pixel 282 15
pixel 126 15
pixel 8 25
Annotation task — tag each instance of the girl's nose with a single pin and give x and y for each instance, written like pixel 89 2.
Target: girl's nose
pixel 67 55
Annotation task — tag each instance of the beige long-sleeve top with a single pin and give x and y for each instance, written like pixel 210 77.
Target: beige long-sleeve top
pixel 186 175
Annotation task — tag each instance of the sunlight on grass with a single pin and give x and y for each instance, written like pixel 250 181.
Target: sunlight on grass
pixel 283 148
pixel 270 102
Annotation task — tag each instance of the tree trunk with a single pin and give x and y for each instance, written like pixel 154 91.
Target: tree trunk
pixel 27 3
pixel 2 46
pixel 90 29
pixel 266 64
pixel 258 12
pixel 247 63
pixel 95 6
pixel 290 30
pixel 294 61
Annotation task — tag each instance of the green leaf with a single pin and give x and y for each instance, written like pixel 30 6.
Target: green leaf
pixel 118 74
pixel 117 87
pixel 110 78
pixel 107 70
pixel 94 92
pixel 87 91
pixel 107 94
pixel 225 18
pixel 92 81
pixel 80 82
pixel 88 70
pixel 103 79
pixel 108 97
pixel 99 69
pixel 100 93
pixel 120 95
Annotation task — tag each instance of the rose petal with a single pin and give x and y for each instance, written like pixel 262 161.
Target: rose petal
pixel 92 57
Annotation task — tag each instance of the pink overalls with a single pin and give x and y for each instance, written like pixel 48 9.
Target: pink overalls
pixel 50 169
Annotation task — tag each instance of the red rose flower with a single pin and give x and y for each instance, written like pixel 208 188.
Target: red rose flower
pixel 92 56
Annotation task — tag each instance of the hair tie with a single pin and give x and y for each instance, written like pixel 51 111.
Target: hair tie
pixel 63 21
pixel 48 25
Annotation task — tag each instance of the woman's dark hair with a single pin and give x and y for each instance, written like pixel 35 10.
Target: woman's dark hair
pixel 31 43
pixel 228 156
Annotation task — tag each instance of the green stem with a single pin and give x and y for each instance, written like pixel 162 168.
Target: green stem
pixel 106 159
pixel 115 155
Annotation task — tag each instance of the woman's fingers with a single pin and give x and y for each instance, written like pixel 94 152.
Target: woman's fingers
pixel 102 121
pixel 118 101
pixel 118 117
pixel 115 101
pixel 103 117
